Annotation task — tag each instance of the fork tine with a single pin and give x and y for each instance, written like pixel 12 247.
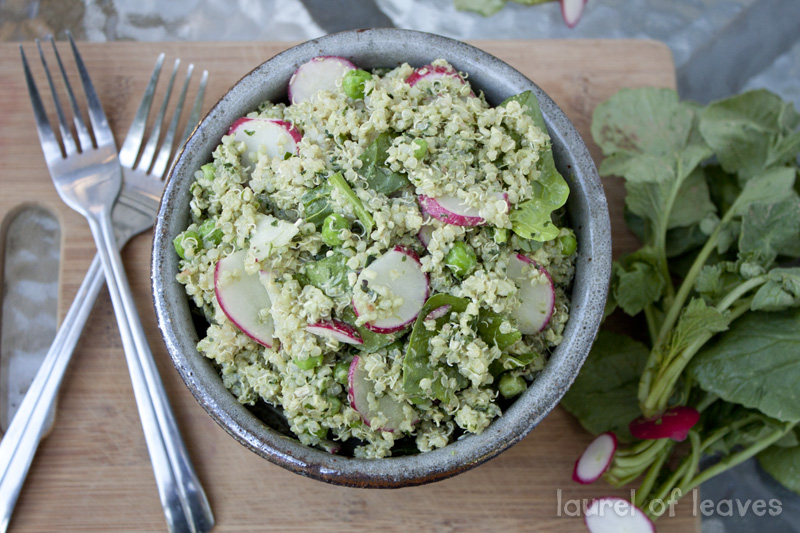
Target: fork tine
pixel 194 116
pixel 47 138
pixel 63 127
pixel 133 141
pixel 166 144
pixel 150 148
pixel 102 131
pixel 84 137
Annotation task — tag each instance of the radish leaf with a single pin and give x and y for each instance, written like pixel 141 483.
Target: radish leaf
pixel 783 464
pixel 756 364
pixel 638 280
pixel 751 132
pixel 781 291
pixel 603 397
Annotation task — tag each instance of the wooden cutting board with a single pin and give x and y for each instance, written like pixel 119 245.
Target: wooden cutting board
pixel 92 472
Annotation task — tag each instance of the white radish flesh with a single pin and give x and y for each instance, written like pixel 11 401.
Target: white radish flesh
pixel 615 515
pixel 452 210
pixel 278 137
pixel 398 269
pixel 336 329
pixel 537 300
pixel 595 459
pixel 270 233
pixel 323 73
pixel 360 387
pixel 243 298
pixel 571 11
pixel 425 234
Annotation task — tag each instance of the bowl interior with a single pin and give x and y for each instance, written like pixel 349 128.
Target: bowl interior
pixel 587 211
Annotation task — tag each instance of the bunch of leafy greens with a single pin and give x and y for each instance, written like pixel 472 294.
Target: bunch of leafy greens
pixel 712 194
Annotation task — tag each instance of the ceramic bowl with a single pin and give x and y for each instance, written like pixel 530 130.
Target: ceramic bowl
pixel 588 214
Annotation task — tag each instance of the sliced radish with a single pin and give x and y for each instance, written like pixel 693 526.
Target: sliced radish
pixel 572 10
pixel 270 233
pixel 432 73
pixel 439 312
pixel 398 269
pixel 329 446
pixel 336 329
pixel 673 424
pixel 425 234
pixel 595 459
pixel 278 137
pixel 359 389
pixel 537 300
pixel 242 298
pixel 616 515
pixel 323 73
pixel 452 210
pixel 270 283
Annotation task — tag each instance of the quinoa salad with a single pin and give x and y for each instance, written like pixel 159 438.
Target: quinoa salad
pixel 383 259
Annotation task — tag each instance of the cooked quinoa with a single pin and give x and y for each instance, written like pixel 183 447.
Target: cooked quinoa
pixel 440 140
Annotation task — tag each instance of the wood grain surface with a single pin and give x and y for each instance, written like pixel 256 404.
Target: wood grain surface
pixel 92 472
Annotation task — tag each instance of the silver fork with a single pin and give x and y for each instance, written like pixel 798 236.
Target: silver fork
pixel 183 499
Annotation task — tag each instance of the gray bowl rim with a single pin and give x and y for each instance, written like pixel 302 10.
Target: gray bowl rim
pixel 587 210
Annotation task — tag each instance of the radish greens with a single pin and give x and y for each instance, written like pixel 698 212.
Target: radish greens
pixel 712 195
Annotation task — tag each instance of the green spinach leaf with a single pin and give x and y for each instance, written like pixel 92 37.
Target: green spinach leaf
pixel 532 219
pixel 316 204
pixel 416 363
pixel 328 274
pixel 372 341
pixel 374 170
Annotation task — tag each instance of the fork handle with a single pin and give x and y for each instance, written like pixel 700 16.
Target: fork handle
pixel 22 437
pixel 182 497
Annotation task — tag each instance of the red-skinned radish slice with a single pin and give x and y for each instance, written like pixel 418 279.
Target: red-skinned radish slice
pixel 616 515
pixel 572 10
pixel 242 297
pixel 359 389
pixel 425 234
pixel 439 312
pixel 323 73
pixel 277 136
pixel 398 269
pixel 330 446
pixel 674 424
pixel 451 210
pixel 432 73
pixel 336 329
pixel 537 301
pixel 595 459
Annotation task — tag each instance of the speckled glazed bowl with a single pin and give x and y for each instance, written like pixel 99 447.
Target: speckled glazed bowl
pixel 587 211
